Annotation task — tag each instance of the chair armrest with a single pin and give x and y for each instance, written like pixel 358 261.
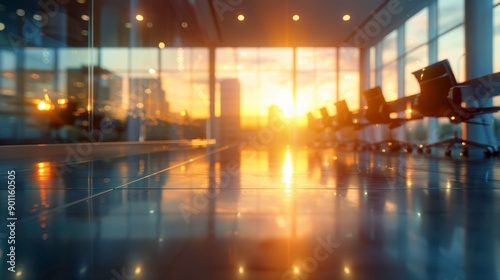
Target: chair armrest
pixel 455 96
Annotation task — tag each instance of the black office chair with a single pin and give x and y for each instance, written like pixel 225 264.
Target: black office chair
pixel 346 118
pixel 440 97
pixel 316 128
pixel 378 112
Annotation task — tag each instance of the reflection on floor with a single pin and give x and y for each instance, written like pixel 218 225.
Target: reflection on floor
pixel 280 213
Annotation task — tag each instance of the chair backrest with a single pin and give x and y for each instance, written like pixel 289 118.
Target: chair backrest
pixel 435 82
pixel 344 116
pixel 374 101
pixel 325 117
pixel 311 121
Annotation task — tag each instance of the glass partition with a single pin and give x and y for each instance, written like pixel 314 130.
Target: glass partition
pixel 70 69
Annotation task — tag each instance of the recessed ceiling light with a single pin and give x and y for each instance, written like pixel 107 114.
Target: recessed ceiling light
pixel 241 17
pixel 128 25
pixel 20 12
pixel 184 24
pixel 161 45
pixel 149 24
pixel 139 17
pixel 2 26
pixel 296 17
pixel 346 17
pixel 37 17
pixel 85 17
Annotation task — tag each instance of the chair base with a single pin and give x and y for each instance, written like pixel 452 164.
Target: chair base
pixel 356 144
pixel 393 146
pixel 488 150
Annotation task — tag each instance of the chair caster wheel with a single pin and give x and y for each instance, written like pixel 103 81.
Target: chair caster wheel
pixel 447 153
pixel 464 153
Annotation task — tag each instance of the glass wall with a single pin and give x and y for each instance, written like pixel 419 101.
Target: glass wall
pixel 417 49
pixel 68 68
pixel 316 80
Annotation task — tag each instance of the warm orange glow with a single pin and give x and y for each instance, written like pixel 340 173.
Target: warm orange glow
pixel 139 17
pixel 296 17
pixel 346 17
pixel 241 17
pixel 43 106
pixel 287 170
pixel 62 101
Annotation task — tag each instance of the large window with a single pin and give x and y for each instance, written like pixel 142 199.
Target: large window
pixel 451 46
pixel 265 76
pixel 414 60
pixel 417 30
pixel 416 47
pixel 349 77
pixel 389 66
pixel 266 79
pixel 450 14
pixel 316 79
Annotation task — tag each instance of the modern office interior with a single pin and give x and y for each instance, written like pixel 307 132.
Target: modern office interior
pixel 243 139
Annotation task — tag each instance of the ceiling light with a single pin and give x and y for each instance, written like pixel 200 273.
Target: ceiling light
pixel 295 17
pixel 149 24
pixel 20 12
pixel 84 32
pixel 241 17
pixel 37 17
pixel 184 24
pixel 81 1
pixel 139 17
pixel 346 17
pixel 128 25
pixel 161 45
pixel 2 26
pixel 85 17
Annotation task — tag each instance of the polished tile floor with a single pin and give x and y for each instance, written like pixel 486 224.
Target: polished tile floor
pixel 280 213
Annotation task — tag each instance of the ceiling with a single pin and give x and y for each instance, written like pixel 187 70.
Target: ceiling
pixel 268 23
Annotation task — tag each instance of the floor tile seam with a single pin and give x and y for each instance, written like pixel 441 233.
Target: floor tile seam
pixel 64 206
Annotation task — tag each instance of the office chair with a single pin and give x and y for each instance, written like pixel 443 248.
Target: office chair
pixel 378 112
pixel 316 128
pixel 440 97
pixel 346 118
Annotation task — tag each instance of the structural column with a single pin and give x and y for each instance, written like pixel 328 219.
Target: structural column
pixel 479 62
pixel 479 57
